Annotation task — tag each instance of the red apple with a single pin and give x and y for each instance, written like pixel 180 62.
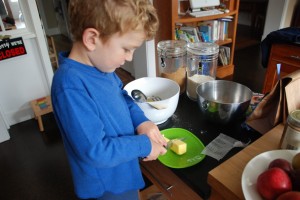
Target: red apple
pixel 273 182
pixel 291 195
pixel 282 164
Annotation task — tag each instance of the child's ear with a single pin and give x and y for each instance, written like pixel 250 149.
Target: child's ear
pixel 90 38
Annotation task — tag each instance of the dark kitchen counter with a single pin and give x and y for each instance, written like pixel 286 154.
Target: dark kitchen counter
pixel 188 116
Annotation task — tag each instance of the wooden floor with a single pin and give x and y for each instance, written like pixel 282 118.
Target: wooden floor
pixel 245 37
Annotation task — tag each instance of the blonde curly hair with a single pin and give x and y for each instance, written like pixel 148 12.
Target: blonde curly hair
pixel 112 16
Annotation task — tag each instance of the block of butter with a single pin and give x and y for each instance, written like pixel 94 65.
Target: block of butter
pixel 178 146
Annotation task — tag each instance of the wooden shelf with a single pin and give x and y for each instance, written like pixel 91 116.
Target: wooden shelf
pixel 169 17
pixel 225 72
pixel 223 42
pixel 187 19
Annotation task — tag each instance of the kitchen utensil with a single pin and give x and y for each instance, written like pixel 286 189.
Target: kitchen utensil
pixel 222 101
pixel 192 155
pixel 139 96
pixel 172 61
pixel 202 62
pixel 169 144
pixel 166 89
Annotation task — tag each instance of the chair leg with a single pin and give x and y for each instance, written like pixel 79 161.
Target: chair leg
pixel 40 122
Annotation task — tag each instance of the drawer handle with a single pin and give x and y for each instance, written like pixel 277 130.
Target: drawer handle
pixel 162 184
pixel 295 57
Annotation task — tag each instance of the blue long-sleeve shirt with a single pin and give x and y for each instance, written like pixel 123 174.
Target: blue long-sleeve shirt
pixel 97 120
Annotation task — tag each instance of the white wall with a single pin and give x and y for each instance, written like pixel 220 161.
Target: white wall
pixel 287 14
pixel 128 66
pixel 25 77
pixel 22 79
pixel 14 6
pixel 4 135
pixel 279 14
pixel 144 63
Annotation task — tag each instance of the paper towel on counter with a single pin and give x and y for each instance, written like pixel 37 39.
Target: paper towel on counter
pixel 221 145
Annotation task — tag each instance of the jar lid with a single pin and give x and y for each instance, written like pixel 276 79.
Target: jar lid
pixel 203 48
pixel 172 47
pixel 294 118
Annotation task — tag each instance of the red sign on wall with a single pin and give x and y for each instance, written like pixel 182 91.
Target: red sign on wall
pixel 10 48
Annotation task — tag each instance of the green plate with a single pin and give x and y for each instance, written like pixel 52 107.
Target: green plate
pixel 191 157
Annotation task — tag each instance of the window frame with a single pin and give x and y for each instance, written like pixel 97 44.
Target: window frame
pixel 28 30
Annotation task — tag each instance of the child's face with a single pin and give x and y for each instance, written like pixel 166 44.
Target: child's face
pixel 117 49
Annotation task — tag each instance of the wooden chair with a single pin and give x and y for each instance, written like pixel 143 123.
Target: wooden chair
pixel 41 107
pixel 52 52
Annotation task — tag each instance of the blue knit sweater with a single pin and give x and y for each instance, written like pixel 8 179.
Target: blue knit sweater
pixel 97 120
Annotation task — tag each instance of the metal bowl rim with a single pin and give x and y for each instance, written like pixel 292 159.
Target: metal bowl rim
pixel 220 81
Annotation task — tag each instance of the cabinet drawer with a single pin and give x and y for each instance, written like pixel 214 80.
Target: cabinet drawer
pixel 289 58
pixel 272 76
pixel 285 53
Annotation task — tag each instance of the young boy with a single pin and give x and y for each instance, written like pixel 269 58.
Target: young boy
pixel 103 130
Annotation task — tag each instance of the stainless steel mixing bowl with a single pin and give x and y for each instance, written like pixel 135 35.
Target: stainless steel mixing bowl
pixel 222 101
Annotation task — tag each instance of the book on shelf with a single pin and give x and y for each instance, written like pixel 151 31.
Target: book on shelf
pixel 206 31
pixel 213 27
pixel 223 30
pixel 218 28
pixel 223 27
pixel 189 34
pixel 224 55
pixel 192 32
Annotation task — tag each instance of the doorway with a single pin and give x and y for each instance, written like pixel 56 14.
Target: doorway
pixel 61 14
pixel 4 135
pixel 251 22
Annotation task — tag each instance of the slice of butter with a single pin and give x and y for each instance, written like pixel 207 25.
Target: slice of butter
pixel 178 146
pixel 167 140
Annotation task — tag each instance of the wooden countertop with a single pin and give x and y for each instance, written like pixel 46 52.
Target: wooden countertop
pixel 225 180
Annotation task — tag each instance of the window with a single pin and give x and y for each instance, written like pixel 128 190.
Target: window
pixel 13 20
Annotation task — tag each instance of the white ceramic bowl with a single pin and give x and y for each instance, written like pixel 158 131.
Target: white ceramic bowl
pixel 166 89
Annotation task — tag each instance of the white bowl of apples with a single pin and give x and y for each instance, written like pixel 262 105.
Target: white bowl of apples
pixel 272 175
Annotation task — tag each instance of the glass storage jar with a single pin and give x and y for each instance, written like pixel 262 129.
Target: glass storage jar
pixel 172 61
pixel 291 133
pixel 202 62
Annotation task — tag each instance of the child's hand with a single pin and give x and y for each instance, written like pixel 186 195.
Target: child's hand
pixel 156 150
pixel 152 131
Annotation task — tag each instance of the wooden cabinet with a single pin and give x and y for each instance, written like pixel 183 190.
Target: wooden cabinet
pixel 169 184
pixel 169 17
pixel 288 56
